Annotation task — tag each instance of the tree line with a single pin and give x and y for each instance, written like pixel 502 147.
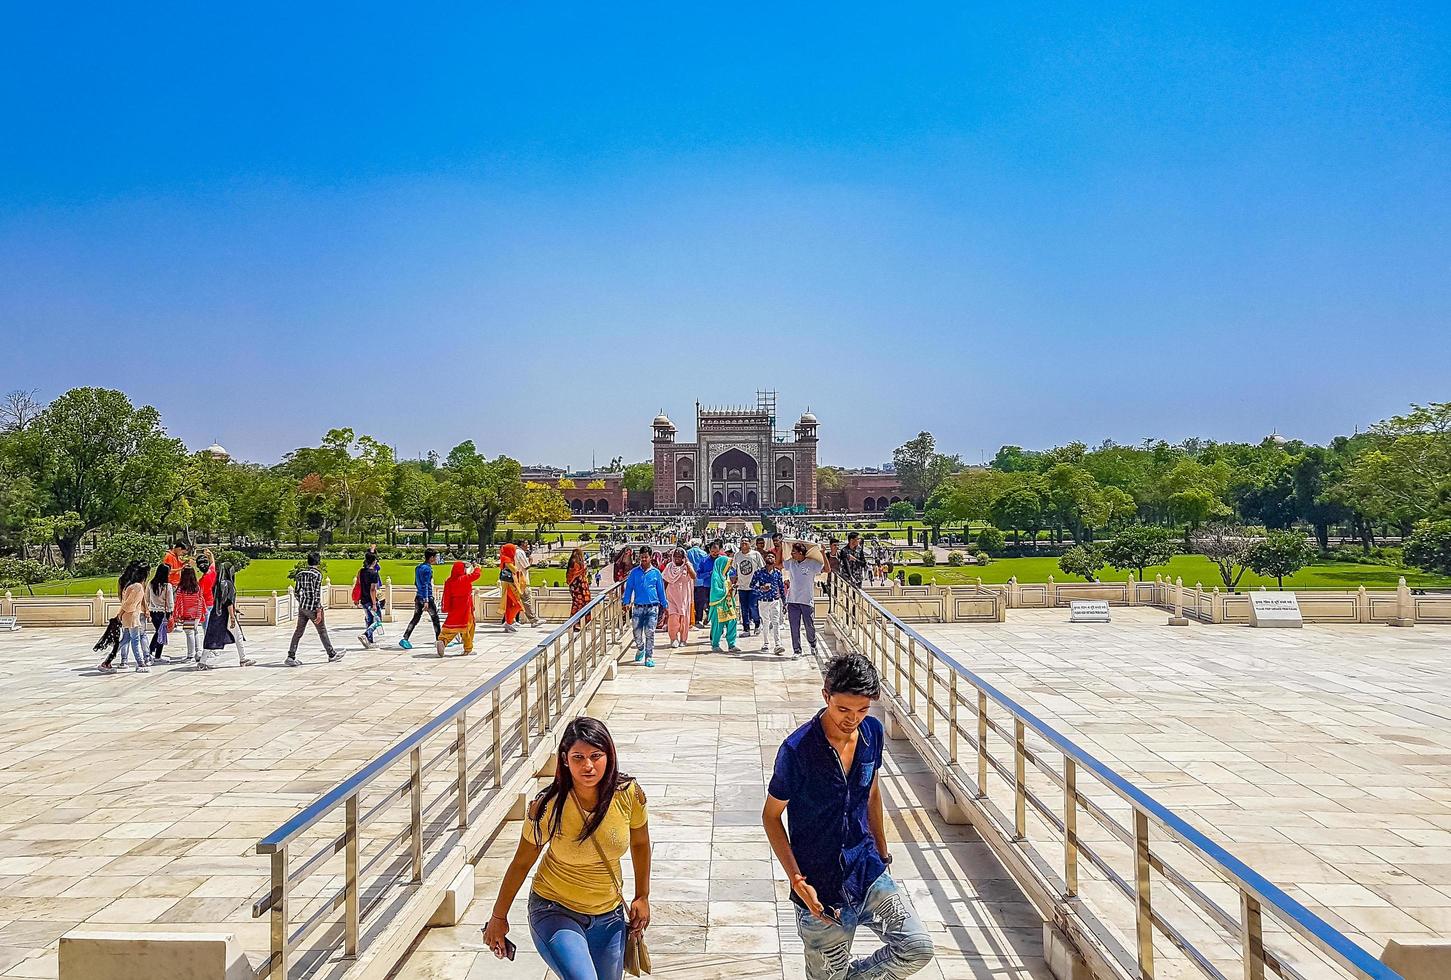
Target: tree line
pixel 91 460
pixel 1393 479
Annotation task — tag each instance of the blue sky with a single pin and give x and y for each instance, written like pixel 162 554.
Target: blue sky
pixel 536 227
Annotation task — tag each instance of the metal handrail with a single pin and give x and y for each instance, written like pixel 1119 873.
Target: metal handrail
pixel 601 626
pixel 1258 894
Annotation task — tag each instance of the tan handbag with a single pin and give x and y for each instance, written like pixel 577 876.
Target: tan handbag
pixel 637 956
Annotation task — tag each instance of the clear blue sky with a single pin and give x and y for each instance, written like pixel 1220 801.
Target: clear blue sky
pixel 535 228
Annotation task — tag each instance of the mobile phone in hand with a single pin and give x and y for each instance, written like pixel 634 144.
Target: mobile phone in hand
pixel 509 950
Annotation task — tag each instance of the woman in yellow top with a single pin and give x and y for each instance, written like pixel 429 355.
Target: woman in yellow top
pixel 582 822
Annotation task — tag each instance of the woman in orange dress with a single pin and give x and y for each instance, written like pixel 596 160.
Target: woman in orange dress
pixel 576 576
pixel 510 586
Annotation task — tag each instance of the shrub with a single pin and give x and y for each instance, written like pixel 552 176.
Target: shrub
pixel 956 558
pixel 983 558
pixel 584 536
pixel 929 558
pixel 1083 560
pixel 990 539
pixel 119 550
pixel 17 572
pixel 1429 546
pixel 915 578
pixel 238 559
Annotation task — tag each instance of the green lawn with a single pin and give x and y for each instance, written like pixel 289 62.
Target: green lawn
pixel 267 574
pixel 1194 568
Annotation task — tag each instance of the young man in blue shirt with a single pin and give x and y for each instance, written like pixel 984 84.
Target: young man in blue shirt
pixel 644 602
pixel 826 782
pixel 422 598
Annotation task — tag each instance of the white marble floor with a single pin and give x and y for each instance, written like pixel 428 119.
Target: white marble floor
pixel 135 801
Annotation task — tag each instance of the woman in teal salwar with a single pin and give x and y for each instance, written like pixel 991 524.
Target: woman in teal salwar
pixel 723 604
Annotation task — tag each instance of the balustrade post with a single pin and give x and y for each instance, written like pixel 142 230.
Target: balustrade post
pixel 556 647
pixel 1143 902
pixel 911 671
pixel 931 690
pixel 281 948
pixel 415 759
pixel 541 689
pixel 524 727
pixel 952 720
pixel 573 663
pixel 1070 827
pixel 352 905
pixel 1020 786
pixel 498 726
pixel 1251 937
pixel 981 745
pixel 463 771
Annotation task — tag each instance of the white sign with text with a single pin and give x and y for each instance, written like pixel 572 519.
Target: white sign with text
pixel 1088 611
pixel 1275 609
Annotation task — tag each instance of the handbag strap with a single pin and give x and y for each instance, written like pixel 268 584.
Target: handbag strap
pixel 609 868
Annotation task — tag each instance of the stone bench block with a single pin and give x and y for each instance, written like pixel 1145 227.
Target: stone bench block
pixel 456 899
pixel 1430 960
pixel 110 955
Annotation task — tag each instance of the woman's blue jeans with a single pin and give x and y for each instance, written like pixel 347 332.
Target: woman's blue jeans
pixel 577 946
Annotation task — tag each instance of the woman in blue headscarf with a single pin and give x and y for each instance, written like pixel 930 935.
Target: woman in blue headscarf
pixel 723 604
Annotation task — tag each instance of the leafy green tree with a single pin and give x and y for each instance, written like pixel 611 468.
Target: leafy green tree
pixel 1077 499
pixel 419 496
pixel 1315 474
pixel 830 478
pixel 640 477
pixel 541 505
pixel 1228 546
pixel 901 512
pixel 93 454
pixel 1021 509
pixel 1014 459
pixel 1429 547
pixel 1403 474
pixel 1083 560
pixel 1278 554
pixel 484 491
pixel 1139 546
pixel 1267 496
pixel 920 468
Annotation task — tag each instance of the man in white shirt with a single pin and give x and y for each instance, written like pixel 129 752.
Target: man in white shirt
pixel 801 575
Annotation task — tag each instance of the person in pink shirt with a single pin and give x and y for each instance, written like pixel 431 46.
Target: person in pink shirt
pixel 679 597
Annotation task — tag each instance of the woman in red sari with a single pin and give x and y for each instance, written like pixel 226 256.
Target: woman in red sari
pixel 576 576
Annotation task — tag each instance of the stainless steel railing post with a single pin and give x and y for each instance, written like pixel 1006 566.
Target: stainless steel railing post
pixel 1251 936
pixel 463 771
pixel 524 709
pixel 1070 827
pixel 1143 902
pixel 982 745
pixel 280 906
pixel 931 687
pixel 1020 782
pixel 952 721
pixel 911 669
pixel 351 904
pixel 498 725
pixel 415 762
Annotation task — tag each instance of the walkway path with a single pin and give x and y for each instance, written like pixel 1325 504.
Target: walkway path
pixel 700 731
pixel 135 801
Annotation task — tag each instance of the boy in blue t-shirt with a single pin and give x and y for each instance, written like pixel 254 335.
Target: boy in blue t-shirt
pixel 770 593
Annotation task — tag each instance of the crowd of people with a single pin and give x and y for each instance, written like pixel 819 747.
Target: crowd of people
pixel 197 597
